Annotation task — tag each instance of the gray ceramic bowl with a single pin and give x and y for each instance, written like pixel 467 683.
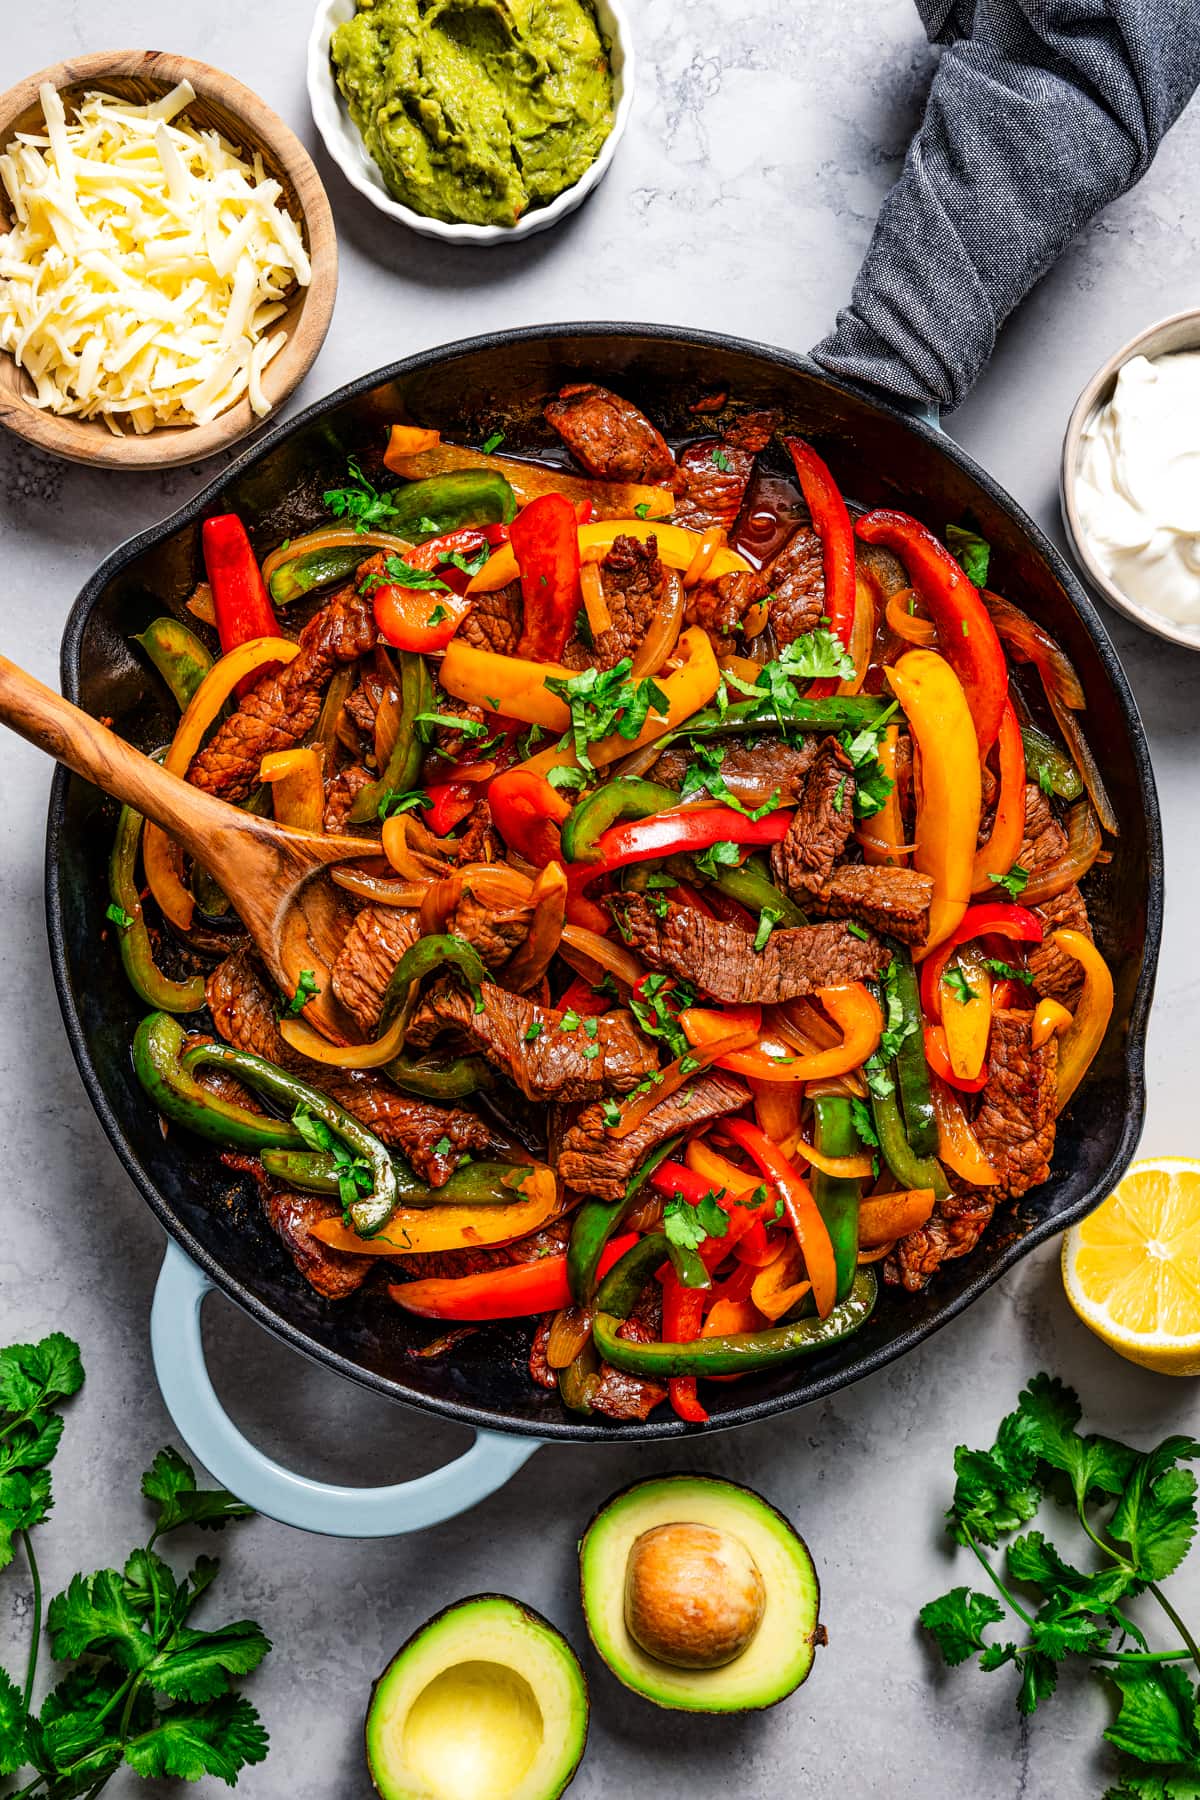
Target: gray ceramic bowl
pixel 1180 332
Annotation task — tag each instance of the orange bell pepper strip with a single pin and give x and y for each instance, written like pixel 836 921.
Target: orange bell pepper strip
pixel 966 635
pixel 1003 847
pixel 425 619
pixel 782 1284
pixel 1083 1037
pixel 297 791
pixel 408 440
pixel 948 788
pixel 528 814
pixel 728 1315
pixel 853 1009
pixel 677 548
pixel 967 1016
pixel 801 1209
pixel 1050 1019
pixel 885 1217
pixel 958 1147
pixel 160 856
pixel 938 1058
pixel 831 522
pixel 512 1293
pixel 882 835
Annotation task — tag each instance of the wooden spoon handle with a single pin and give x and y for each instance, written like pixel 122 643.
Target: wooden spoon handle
pixel 90 749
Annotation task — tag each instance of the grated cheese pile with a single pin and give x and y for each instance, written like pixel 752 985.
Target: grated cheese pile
pixel 146 263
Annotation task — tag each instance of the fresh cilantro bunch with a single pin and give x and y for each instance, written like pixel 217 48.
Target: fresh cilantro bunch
pixel 148 1691
pixel 1137 1511
pixel 360 501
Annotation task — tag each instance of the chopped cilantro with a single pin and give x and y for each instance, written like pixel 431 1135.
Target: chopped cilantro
pixel 703 775
pixel 399 573
pixel 840 795
pixel 864 1124
pixel 718 856
pixel 972 551
pixel 569 1021
pixel 442 1147
pixel 1014 883
pixel 360 501
pixel 721 461
pixel 959 986
pixel 530 742
pixel 438 616
pixel 642 509
pixel 1007 972
pixel 768 918
pixel 591 1028
pixel 428 722
pixel 393 802
pixel 689 1225
pixel 612 1113
pixel 591 1051
pixel 857 930
pixel 493 443
pixel 119 916
pixel 534 1031
pixel 306 990
pixel 566 778
pixel 469 565
pixel 603 701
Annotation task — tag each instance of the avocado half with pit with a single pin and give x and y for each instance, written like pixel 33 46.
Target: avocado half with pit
pixel 699 1595
pixel 486 1701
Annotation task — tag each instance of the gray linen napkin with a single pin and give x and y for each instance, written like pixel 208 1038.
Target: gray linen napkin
pixel 1041 112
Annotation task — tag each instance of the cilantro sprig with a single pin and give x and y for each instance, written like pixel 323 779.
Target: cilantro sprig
pixel 148 1692
pixel 1137 1513
pixel 604 701
pixel 360 500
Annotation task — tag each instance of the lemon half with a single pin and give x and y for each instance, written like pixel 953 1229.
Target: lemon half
pixel 1132 1268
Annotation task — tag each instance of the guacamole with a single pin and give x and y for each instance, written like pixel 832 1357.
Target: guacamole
pixel 476 110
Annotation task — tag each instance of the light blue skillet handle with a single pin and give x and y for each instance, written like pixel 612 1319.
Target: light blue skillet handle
pixel 210 1433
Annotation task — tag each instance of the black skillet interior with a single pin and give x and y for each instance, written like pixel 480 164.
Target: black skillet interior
pixel 469 391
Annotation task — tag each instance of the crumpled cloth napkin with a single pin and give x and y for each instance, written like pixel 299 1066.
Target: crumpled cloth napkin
pixel 1041 112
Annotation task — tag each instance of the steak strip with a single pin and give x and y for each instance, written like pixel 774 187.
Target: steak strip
pixel 608 436
pixel 592 1161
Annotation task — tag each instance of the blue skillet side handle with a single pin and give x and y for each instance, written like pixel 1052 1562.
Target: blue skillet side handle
pixel 335 1511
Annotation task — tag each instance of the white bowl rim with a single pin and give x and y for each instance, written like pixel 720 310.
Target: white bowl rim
pixel 1093 395
pixel 333 123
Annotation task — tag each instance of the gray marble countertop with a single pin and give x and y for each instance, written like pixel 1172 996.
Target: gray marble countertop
pixel 763 138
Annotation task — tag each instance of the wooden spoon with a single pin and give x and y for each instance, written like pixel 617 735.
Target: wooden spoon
pixel 267 870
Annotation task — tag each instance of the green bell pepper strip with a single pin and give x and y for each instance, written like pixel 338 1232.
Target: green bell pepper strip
pixel 840 712
pixel 451 1080
pixel 912 1070
pixel 421 959
pixel 428 509
pixel 404 763
pixel 910 1170
pixel 369 1214
pixel 596 1222
pixel 750 883
pixel 178 655
pixel 133 939
pixel 315 569
pixel 735 1354
pixel 479 1184
pixel 837 1197
pixel 1049 765
pixel 626 797
pixel 158 1045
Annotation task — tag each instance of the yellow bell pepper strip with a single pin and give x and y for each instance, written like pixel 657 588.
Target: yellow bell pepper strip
pixel 1079 1043
pixel 885 1217
pixel 609 499
pixel 991 918
pixel 811 1231
pixel 958 1147
pixel 1050 1019
pixel 854 1010
pixel 160 855
pixel 513 1293
pixel 676 548
pixel 452 1225
pixel 297 792
pixel 1003 847
pixel 937 1059
pixel 948 789
pixel 882 835
pixel 966 1014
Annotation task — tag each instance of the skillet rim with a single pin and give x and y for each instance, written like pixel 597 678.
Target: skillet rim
pixel 1003 1258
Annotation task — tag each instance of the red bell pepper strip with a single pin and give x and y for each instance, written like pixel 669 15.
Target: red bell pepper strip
pixel 938 1058
pixel 511 1293
pixel 831 522
pixel 450 802
pixel 1015 922
pixel 966 636
pixel 585 511
pixel 424 619
pixel 682 1317
pixel 581 997
pixel 812 1233
pixel 240 600
pixel 528 812
pixel 679 831
pixel 545 541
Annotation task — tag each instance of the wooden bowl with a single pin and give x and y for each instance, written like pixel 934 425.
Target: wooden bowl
pixel 242 118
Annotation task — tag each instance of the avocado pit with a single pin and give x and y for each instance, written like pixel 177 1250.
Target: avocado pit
pixel 694 1595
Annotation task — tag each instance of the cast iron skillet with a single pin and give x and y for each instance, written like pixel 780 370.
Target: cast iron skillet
pixel 469 390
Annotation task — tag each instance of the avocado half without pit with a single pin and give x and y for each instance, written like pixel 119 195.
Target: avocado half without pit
pixel 486 1701
pixel 699 1595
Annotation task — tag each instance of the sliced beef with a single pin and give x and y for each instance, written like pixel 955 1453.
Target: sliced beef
pixel 1056 975
pixel 954 1229
pixel 634 587
pixel 495 621
pixel 720 958
pixel 360 709
pixel 749 769
pixel 796 581
pixel 528 1043
pixel 715 473
pixel 608 436
pixel 282 708
pixel 372 947
pixel 341 793
pixel 243 1011
pixel 1015 1120
pixel 334 1274
pixel 540 1372
pixel 495 931
pixel 592 1161
pixel 720 606
pixel 821 824
pixel 894 901
pixel 478 840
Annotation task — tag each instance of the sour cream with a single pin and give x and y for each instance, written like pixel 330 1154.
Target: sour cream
pixel 1138 486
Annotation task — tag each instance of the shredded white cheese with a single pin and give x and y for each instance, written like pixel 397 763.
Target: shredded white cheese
pixel 145 264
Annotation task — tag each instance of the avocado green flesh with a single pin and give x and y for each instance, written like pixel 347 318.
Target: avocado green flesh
pixel 486 1702
pixel 778 1657
pixel 475 110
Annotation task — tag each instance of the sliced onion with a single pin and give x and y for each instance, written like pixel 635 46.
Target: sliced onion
pixel 378 887
pixel 805 1022
pixel 493 883
pixel 591 586
pixel 1083 847
pixel 600 953
pixel 548 899
pixel 663 635
pixel 842 1168
pixel 412 851
pixel 569 1333
pixel 862 636
pixel 878 1253
pixel 1031 644
pixel 1085 762
pixel 302 1038
pixel 907 625
pixel 711 541
pixel 331 537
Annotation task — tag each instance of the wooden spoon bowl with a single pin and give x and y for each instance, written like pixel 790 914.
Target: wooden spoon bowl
pixel 224 105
